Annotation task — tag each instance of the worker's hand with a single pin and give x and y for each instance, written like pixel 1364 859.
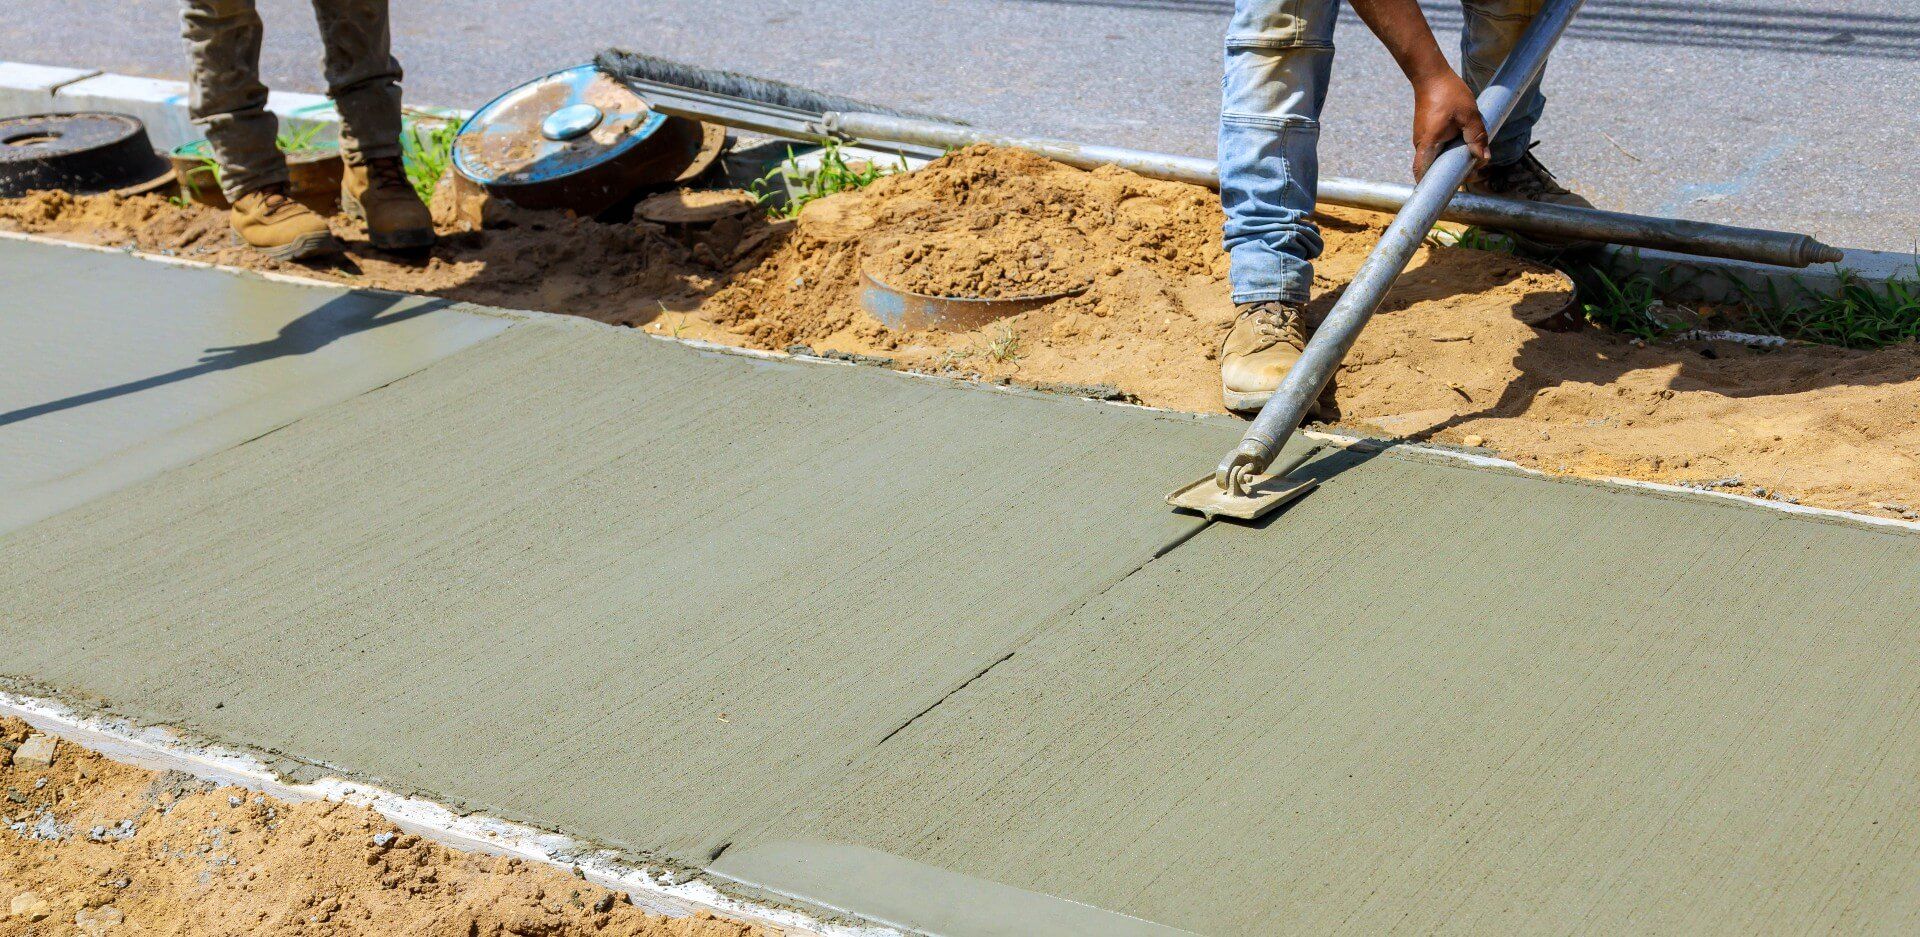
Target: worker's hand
pixel 1444 109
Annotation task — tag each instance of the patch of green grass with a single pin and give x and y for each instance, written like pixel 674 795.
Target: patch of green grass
pixel 1479 239
pixel 1856 315
pixel 191 179
pixel 208 167
pixel 1004 346
pixel 789 187
pixel 296 142
pixel 1627 305
pixel 951 358
pixel 426 150
pixel 304 139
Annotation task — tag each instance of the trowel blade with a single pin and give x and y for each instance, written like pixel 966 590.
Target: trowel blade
pixel 1268 492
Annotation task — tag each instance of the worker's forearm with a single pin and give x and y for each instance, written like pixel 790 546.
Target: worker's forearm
pixel 1403 29
pixel 1443 105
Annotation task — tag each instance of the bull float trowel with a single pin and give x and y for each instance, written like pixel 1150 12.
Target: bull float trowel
pixel 1242 486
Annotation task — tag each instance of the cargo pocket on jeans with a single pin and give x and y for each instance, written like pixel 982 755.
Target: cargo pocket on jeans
pixel 1282 24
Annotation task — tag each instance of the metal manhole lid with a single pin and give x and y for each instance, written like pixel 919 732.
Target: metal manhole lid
pixel 39 136
pixel 553 127
pixel 85 152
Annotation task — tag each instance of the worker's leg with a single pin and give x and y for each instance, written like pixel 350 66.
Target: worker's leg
pixel 1492 29
pixel 363 78
pixel 1279 54
pixel 227 101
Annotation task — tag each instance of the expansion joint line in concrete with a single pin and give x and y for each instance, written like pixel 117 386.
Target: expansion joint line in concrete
pixel 1171 545
pixel 1162 550
pixel 902 727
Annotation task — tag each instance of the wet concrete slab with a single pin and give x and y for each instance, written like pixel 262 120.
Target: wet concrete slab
pixel 580 575
pixel 939 655
pixel 1432 697
pixel 116 370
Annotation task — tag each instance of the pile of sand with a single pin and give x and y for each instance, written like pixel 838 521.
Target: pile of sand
pixel 1000 223
pixel 99 848
pixel 1459 354
pixel 1148 253
pixel 982 265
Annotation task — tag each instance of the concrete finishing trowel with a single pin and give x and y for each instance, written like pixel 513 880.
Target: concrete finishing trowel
pixel 1241 487
pixel 1255 494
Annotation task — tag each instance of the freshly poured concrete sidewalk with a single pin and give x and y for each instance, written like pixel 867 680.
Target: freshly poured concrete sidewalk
pixel 939 656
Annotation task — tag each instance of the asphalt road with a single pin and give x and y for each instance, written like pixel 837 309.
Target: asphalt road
pixel 1775 113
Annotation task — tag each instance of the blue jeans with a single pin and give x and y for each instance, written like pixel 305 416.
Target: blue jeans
pixel 1279 57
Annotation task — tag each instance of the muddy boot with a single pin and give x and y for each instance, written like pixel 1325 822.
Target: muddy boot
pixel 379 194
pixel 279 227
pixel 1266 340
pixel 1529 180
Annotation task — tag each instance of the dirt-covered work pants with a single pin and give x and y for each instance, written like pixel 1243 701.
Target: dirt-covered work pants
pixel 229 103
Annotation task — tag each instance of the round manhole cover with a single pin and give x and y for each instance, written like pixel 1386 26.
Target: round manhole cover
pixel 88 152
pixel 576 139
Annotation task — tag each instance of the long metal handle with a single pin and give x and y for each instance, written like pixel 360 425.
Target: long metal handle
pixel 1335 336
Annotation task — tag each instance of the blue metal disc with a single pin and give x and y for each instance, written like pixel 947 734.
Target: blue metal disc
pixel 571 121
pixel 506 143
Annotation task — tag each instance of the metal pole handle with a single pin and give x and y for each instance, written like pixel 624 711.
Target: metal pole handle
pixel 1330 343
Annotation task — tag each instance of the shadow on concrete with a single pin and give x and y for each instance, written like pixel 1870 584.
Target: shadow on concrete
pixel 335 319
pixel 1711 24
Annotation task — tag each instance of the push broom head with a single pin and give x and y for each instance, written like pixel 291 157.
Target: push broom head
pixel 633 66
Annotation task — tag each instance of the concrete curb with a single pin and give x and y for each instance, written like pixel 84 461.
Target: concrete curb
pixel 657 889
pixel 161 105
pixel 27 88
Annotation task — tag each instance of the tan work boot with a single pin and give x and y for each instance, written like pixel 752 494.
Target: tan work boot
pixel 1529 180
pixel 1266 340
pixel 379 194
pixel 279 227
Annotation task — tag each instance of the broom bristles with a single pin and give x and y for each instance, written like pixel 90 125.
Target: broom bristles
pixel 621 64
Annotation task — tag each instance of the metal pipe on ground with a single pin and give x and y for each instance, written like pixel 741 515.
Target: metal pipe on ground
pixel 1783 248
pixel 783 110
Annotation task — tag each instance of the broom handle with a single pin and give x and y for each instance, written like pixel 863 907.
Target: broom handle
pixel 1335 337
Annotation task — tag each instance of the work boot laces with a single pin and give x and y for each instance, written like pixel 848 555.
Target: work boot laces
pixel 387 173
pixel 1276 322
pixel 274 202
pixel 1525 178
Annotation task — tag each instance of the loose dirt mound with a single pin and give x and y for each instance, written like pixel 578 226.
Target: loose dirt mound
pixel 1453 356
pixel 96 847
pixel 548 261
pixel 1000 222
pixel 1013 263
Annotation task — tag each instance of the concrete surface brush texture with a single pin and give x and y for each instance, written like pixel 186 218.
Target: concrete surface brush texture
pixel 1464 353
pixel 773 617
pixel 117 371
